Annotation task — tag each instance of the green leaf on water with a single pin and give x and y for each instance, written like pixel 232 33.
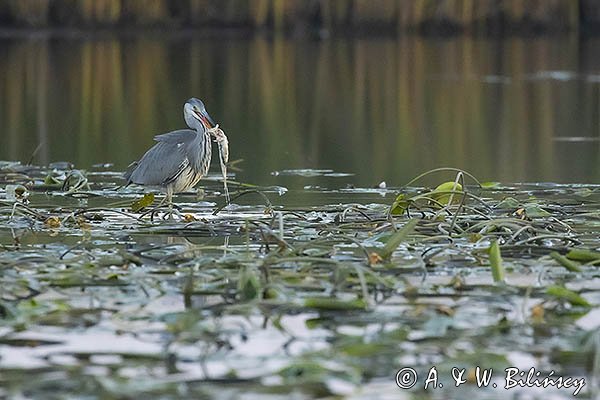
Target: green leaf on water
pixel 535 211
pixel 314 323
pixel 508 202
pixel 583 192
pixel 145 201
pixel 447 191
pixel 398 237
pixel 309 376
pixel 583 255
pixel 565 262
pixel 400 205
pixel 329 304
pixel 364 349
pixel 304 371
pixel 562 293
pixel 272 293
pixel 248 284
pixel 496 262
pixel 50 180
pixel 489 185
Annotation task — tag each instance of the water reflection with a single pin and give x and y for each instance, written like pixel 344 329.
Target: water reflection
pixel 383 109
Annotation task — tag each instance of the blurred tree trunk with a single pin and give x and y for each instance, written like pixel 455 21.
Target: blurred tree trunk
pixel 146 12
pixel 99 12
pixel 30 12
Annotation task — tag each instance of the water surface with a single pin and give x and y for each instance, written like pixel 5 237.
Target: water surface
pixel 512 110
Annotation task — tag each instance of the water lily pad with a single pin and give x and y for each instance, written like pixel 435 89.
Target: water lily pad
pixel 535 211
pixel 446 192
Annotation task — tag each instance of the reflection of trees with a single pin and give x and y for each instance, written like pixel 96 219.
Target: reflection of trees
pixel 24 103
pixel 385 109
pixel 41 89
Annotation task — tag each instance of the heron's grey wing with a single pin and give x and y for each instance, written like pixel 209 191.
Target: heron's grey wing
pixel 159 165
pixel 163 161
pixel 196 147
pixel 178 136
pixel 129 171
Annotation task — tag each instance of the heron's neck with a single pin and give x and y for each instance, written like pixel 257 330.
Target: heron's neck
pixel 198 127
pixel 194 124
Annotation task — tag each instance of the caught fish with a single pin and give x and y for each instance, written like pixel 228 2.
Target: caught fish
pixel 221 139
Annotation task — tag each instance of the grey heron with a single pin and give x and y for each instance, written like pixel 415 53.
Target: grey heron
pixel 180 158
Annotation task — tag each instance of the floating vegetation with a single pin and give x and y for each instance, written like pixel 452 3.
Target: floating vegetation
pixel 265 297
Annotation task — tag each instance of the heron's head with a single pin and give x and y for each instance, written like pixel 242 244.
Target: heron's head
pixel 194 112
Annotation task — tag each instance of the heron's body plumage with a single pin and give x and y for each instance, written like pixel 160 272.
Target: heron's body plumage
pixel 179 154
pixel 177 161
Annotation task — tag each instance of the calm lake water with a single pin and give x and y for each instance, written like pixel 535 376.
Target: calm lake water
pixel 517 110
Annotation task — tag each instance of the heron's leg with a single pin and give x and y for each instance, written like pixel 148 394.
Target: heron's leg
pixel 172 208
pixel 169 199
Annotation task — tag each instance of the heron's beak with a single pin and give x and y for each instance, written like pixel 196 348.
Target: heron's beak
pixel 206 120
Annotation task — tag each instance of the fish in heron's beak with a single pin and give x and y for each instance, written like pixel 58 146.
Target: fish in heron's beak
pixel 206 120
